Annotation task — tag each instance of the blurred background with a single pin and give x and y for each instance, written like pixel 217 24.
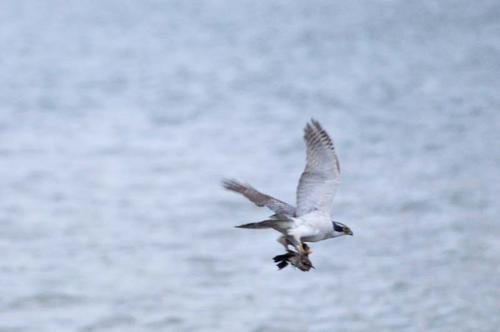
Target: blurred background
pixel 118 120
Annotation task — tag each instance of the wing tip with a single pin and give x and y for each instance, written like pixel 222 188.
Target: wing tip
pixel 313 132
pixel 313 127
pixel 229 183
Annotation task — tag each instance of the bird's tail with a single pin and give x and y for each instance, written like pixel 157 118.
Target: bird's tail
pixel 260 224
pixel 277 222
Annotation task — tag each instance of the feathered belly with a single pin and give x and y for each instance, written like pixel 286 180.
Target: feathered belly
pixel 314 238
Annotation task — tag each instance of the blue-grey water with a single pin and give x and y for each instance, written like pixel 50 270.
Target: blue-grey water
pixel 118 120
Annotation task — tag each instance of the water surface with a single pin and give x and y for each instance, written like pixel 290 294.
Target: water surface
pixel 118 120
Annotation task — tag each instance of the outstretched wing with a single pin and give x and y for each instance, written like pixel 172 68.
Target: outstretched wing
pixel 318 183
pixel 259 198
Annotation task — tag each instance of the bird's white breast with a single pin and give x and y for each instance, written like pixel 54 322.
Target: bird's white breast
pixel 314 226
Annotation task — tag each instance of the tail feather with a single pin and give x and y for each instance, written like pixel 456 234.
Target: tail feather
pixel 277 222
pixel 257 225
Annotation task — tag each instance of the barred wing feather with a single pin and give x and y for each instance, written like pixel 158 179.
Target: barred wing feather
pixel 319 181
pixel 259 198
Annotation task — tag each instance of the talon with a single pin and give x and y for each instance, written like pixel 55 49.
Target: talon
pixel 307 249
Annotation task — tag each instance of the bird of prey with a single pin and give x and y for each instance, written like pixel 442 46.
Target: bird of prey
pixel 311 220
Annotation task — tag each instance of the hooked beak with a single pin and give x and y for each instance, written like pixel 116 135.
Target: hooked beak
pixel 348 231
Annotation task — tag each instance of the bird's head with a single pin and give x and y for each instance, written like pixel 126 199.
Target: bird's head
pixel 340 229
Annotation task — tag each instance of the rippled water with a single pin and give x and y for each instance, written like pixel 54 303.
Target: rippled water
pixel 119 118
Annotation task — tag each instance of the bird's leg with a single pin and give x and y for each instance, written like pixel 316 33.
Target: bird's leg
pixel 306 248
pixel 302 248
pixel 287 241
pixel 284 241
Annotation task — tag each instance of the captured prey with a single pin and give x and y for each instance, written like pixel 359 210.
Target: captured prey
pixel 311 219
pixel 301 262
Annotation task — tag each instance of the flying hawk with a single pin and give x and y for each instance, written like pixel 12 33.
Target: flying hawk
pixel 311 220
